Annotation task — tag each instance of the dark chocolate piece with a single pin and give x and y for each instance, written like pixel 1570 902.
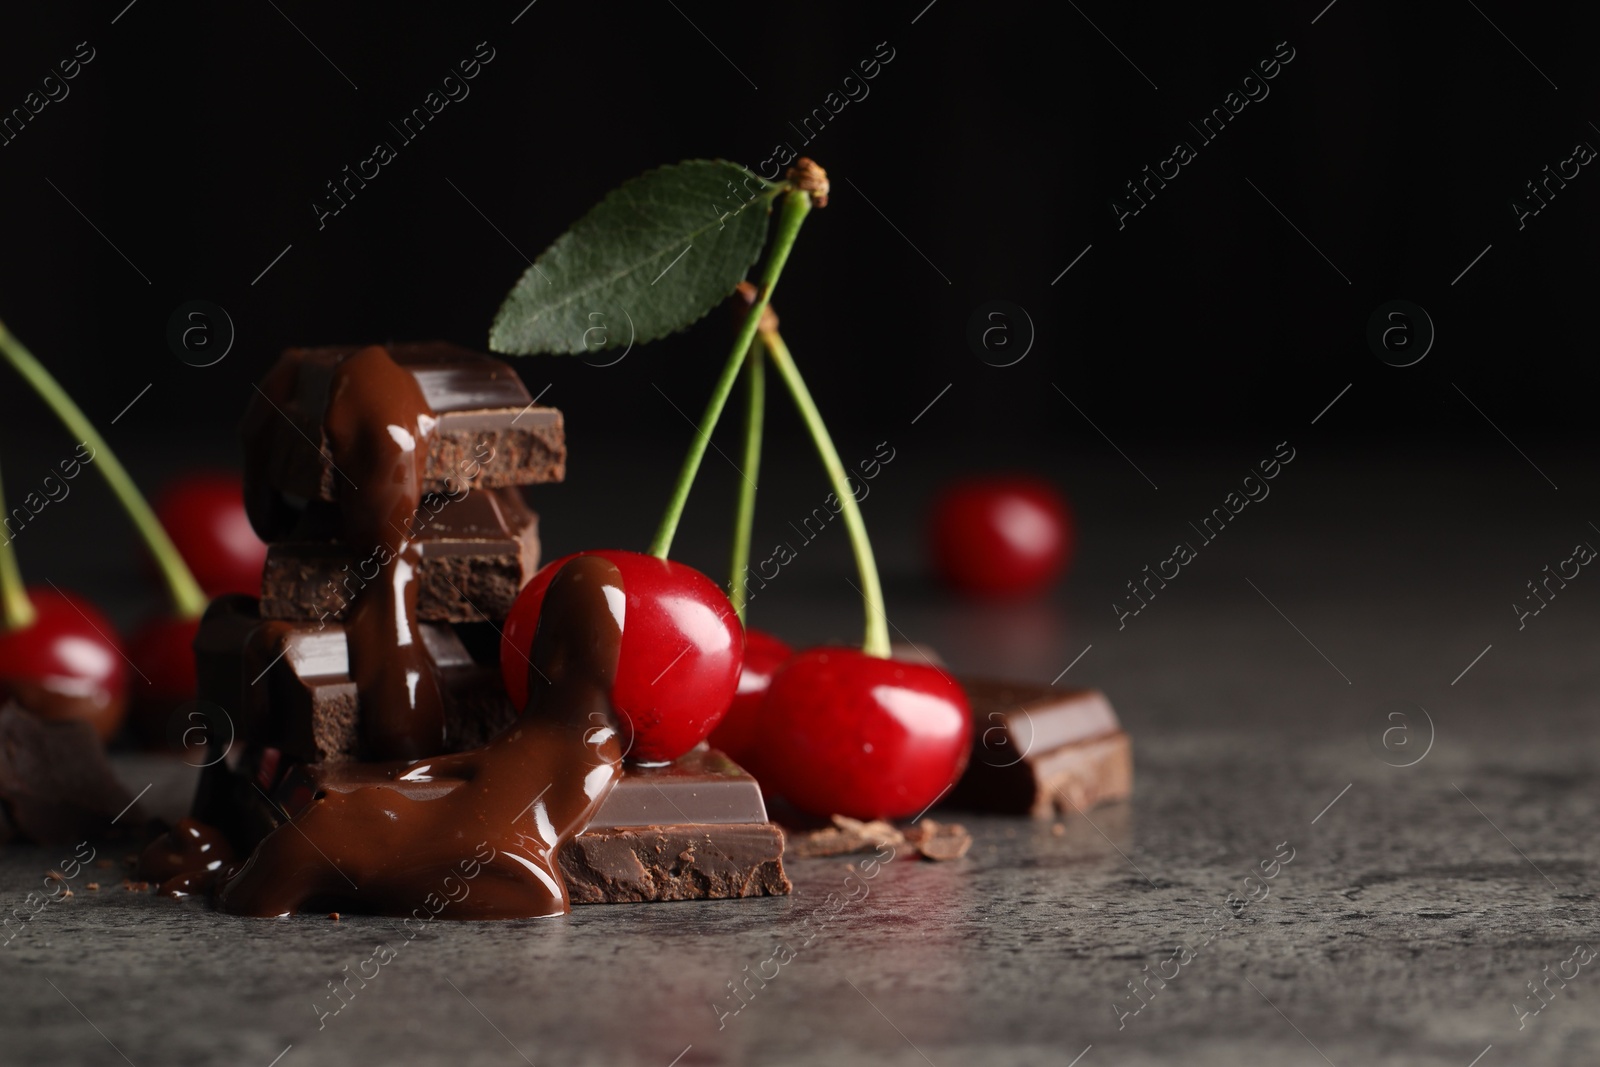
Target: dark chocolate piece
pixel 476 551
pixel 56 785
pixel 702 787
pixel 287 685
pixel 1040 750
pixel 526 793
pixel 487 432
pixel 633 864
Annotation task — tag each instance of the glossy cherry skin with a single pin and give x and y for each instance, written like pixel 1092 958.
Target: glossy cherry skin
pixel 67 664
pixel 1000 537
pixel 204 515
pixel 682 647
pixel 163 650
pixel 738 735
pixel 850 734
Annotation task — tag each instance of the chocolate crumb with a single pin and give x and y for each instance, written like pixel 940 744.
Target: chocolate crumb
pixel 1058 830
pixel 333 915
pixel 55 876
pixel 66 892
pixel 939 841
pixel 845 836
pixel 93 887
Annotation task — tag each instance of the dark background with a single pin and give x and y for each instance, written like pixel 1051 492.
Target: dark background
pixel 198 137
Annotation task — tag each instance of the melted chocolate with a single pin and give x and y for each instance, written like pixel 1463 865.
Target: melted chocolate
pixel 379 427
pixel 374 847
pixel 185 859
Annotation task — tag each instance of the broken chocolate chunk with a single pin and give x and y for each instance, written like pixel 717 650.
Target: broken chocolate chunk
pixel 641 863
pixel 929 839
pixel 939 841
pixel 56 785
pixel 1039 750
pixel 488 431
pixel 844 837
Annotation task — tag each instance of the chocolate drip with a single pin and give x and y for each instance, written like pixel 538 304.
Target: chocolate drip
pixel 367 844
pixel 186 859
pixel 379 427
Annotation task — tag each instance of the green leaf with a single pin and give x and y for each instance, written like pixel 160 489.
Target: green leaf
pixel 654 256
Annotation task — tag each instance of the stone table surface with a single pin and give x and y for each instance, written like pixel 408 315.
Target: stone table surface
pixel 1335 688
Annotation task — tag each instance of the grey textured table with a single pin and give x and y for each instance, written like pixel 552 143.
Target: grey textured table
pixel 1419 902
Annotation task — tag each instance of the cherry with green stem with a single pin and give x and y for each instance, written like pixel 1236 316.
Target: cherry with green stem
pixel 188 600
pixel 682 643
pixel 850 731
pixel 57 656
pixel 42 625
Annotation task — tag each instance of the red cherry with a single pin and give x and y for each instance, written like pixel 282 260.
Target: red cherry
pixel 738 735
pixel 852 734
pixel 163 651
pixel 205 517
pixel 67 664
pixel 682 646
pixel 1000 537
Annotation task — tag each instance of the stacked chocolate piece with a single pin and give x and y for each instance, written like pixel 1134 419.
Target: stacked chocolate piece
pixel 281 666
pixel 342 622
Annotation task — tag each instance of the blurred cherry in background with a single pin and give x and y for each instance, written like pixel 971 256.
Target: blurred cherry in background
pixel 204 515
pixel 999 537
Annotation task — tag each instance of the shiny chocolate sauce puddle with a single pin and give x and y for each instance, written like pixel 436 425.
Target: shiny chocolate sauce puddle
pixel 364 845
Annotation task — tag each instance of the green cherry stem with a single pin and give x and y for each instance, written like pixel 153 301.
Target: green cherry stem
pixel 877 636
pixel 16 610
pixel 744 518
pixel 187 597
pixel 796 205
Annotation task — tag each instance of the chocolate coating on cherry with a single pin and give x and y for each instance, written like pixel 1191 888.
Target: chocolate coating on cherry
pixel 681 653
